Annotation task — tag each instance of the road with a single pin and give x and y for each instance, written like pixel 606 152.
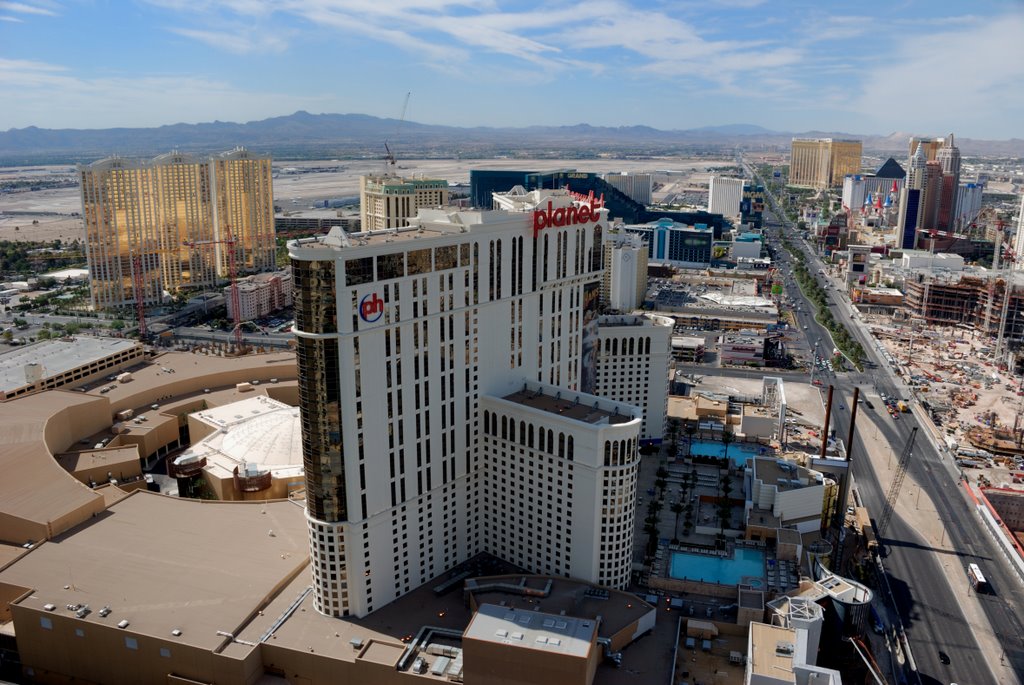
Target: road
pixel 926 603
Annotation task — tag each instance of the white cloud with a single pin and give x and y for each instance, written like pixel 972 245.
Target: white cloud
pixel 40 94
pixel 551 38
pixel 930 84
pixel 12 19
pixel 22 8
pixel 240 42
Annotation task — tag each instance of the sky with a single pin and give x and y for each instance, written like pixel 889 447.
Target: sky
pixel 872 67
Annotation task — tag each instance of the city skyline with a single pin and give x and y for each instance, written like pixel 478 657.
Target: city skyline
pixel 611 63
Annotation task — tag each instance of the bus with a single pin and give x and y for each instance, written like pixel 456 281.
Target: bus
pixel 977 578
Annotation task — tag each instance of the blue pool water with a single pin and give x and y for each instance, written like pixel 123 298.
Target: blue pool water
pixel 738 452
pixel 688 566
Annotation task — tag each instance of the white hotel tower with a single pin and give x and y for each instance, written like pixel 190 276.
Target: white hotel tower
pixel 441 376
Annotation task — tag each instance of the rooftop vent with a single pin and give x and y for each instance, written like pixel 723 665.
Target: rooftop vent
pixel 123 624
pixel 784 648
pixel 176 632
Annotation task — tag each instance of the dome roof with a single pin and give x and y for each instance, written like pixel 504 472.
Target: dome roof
pixel 272 439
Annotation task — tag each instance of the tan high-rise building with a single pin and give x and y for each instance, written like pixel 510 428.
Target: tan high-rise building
pixel 823 162
pixel 391 201
pixel 161 223
pixel 930 147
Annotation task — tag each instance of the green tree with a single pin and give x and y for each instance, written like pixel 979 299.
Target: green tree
pixel 43 334
pixel 691 429
pixel 727 438
pixel 673 433
pixel 677 509
pixel 117 325
pixel 7 336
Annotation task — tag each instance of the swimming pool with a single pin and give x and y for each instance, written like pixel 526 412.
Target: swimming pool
pixel 739 452
pixel 710 569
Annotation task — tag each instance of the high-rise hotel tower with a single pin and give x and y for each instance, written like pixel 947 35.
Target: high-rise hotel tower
pixel 442 369
pixel 160 225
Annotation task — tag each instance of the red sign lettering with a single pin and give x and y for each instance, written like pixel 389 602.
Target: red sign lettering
pixel 567 216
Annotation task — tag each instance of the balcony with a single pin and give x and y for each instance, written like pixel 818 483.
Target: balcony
pixel 185 466
pixel 252 480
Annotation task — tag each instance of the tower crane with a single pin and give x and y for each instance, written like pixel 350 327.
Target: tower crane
pixel 236 308
pixel 389 156
pixel 897 483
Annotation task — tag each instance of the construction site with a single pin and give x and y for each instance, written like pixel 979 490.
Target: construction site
pixel 977 406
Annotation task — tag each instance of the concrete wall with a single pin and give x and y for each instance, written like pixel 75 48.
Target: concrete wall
pixel 100 653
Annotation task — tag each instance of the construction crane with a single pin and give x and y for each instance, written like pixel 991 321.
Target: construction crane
pixel 236 308
pixel 897 483
pixel 389 156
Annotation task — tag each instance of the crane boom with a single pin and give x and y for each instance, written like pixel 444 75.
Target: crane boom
pixel 897 483
pixel 389 154
pixel 233 275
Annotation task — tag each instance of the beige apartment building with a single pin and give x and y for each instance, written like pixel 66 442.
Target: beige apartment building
pixel 391 201
pixel 162 225
pixel 823 162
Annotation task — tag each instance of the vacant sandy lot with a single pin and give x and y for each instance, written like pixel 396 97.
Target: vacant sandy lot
pixel 54 209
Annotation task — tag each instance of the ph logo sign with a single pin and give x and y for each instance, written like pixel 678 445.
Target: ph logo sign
pixel 371 308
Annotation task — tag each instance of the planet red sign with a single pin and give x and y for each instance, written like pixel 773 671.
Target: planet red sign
pixel 565 216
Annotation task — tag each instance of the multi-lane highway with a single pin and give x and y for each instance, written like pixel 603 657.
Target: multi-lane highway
pixel 928 606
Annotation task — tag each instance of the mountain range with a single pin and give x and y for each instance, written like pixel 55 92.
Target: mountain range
pixel 317 136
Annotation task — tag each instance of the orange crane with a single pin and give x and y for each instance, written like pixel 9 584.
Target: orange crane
pixel 236 308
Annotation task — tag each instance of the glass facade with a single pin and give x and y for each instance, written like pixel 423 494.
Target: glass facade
pixel 319 390
pixel 163 223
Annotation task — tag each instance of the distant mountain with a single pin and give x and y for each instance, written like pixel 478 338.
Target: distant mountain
pixel 304 135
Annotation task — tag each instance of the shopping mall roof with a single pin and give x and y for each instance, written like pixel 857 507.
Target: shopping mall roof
pixel 57 356
pixel 111 458
pixel 166 564
pixel 35 491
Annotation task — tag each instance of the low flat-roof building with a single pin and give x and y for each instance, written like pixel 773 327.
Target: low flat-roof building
pixel 559 649
pixel 59 362
pixel 117 465
pixel 779 656
pixel 791 495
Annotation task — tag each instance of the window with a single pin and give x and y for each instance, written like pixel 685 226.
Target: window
pixel 359 271
pixel 46 622
pixel 390 266
pixel 164 652
pixel 131 643
pixel 446 257
pixel 419 262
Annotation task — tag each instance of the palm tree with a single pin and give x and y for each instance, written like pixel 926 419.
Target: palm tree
pixel 690 429
pixel 673 433
pixel 661 483
pixel 727 437
pixel 677 509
